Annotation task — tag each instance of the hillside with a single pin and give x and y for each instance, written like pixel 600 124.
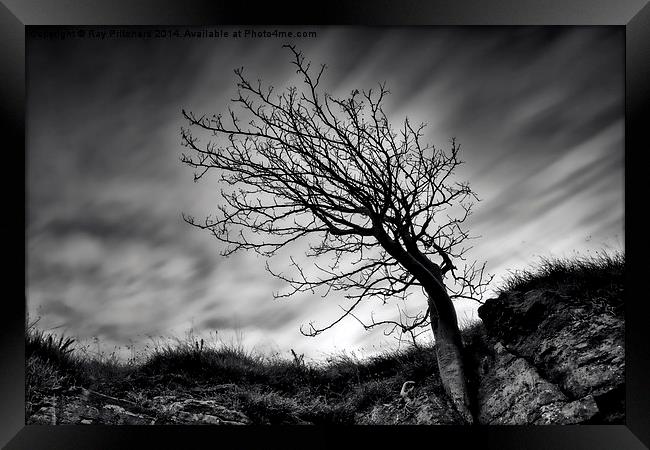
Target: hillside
pixel 549 350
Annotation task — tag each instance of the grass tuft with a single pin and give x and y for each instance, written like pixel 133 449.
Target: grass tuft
pixel 56 352
pixel 598 278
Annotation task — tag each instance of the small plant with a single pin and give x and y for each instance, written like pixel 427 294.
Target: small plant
pixel 57 351
pixel 41 378
pixel 298 360
pixel 49 344
pixel 198 349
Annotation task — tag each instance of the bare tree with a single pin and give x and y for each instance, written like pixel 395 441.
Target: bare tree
pixel 380 206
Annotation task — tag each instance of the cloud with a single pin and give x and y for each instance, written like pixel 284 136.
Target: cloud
pixel 538 112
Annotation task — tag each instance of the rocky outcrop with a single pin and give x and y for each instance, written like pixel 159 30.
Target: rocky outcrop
pixel 512 392
pixel 555 360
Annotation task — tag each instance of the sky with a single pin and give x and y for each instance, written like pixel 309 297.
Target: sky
pixel 538 112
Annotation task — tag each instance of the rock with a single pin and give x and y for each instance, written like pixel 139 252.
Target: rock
pixel 193 411
pixel 434 411
pixel 163 399
pixel 219 388
pixel 45 415
pixel 117 415
pixel 75 410
pixel 512 392
pixel 570 343
pixel 562 413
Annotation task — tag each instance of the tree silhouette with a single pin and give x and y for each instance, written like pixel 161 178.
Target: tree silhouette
pixel 376 203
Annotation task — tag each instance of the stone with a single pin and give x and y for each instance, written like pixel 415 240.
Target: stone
pixel 45 415
pixel 570 342
pixel 194 411
pixel 562 413
pixel 512 392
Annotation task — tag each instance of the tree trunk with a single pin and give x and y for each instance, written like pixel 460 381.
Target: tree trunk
pixel 449 345
pixel 449 353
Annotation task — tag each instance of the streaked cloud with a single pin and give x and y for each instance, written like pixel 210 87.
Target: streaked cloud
pixel 538 112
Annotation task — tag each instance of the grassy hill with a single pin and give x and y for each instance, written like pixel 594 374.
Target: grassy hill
pixel 274 390
pixel 267 390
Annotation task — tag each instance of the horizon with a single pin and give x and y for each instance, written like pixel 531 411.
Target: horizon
pixel 538 112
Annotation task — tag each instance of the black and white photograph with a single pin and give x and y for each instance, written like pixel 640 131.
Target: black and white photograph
pixel 325 225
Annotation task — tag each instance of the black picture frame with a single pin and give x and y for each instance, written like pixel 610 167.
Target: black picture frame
pixel 634 15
